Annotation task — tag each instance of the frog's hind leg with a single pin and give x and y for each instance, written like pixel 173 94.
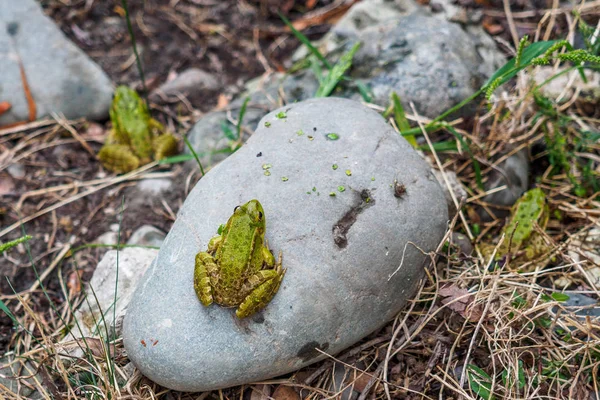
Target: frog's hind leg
pixel 118 158
pixel 261 288
pixel 205 268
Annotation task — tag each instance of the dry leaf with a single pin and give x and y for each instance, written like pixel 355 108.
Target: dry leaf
pixel 74 281
pixel 285 393
pixel 361 382
pixel 461 301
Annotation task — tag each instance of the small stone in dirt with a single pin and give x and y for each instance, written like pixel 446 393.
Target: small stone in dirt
pixel 513 173
pixel 147 235
pixel 330 276
pixel 130 264
pixel 17 171
pixel 193 83
pixel 107 238
pixel 62 78
pixel 462 242
pixel 12 373
pixel 154 186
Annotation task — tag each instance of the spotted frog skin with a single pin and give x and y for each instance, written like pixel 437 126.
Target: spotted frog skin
pixel 523 243
pixel 136 138
pixel 238 269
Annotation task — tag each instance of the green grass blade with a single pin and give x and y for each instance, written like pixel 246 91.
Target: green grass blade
pixel 448 145
pixel 6 311
pixel 364 91
pixel 241 118
pixel 227 131
pixel 509 70
pixel 189 145
pixel 400 118
pixel 8 245
pixel 337 72
pixel 305 41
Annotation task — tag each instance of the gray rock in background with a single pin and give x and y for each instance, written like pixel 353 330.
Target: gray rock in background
pixel 61 77
pixel 131 263
pixel 512 173
pixel 192 83
pixel 422 56
pixel 147 235
pixel 339 250
pixel 207 137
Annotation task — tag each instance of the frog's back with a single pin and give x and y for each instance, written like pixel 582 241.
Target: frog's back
pixel 236 257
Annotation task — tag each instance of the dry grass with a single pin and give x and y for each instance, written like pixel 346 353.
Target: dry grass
pixel 505 325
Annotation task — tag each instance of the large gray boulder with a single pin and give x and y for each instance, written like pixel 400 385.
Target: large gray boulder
pixel 62 78
pixel 422 56
pixel 353 259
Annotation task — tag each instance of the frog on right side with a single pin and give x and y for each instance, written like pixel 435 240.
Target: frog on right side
pixel 523 242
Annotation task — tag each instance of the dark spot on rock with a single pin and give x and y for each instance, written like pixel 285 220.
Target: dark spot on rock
pixel 258 318
pixel 311 350
pixel 341 228
pixel 315 129
pixel 12 28
pixel 259 154
pixel 399 189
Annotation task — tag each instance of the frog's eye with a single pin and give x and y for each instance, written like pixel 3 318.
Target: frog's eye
pixel 260 215
pixel 236 208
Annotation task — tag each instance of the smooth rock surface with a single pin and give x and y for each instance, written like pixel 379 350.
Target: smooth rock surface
pixel 62 78
pixel 339 250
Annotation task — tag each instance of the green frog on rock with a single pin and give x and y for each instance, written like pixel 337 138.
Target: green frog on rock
pixel 238 269
pixel 136 137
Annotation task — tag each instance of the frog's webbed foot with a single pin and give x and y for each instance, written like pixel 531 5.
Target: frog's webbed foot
pixel 261 288
pixel 205 268
pixel 118 158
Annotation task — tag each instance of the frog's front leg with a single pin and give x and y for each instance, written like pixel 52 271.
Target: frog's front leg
pixel 261 288
pixel 205 268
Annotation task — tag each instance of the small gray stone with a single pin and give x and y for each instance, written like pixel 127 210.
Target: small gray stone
pixel 463 243
pixel 62 78
pixel 192 82
pixel 130 264
pixel 580 305
pixel 17 171
pixel 154 186
pixel 107 238
pixel 512 173
pixel 11 373
pixel 147 235
pixel 334 292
